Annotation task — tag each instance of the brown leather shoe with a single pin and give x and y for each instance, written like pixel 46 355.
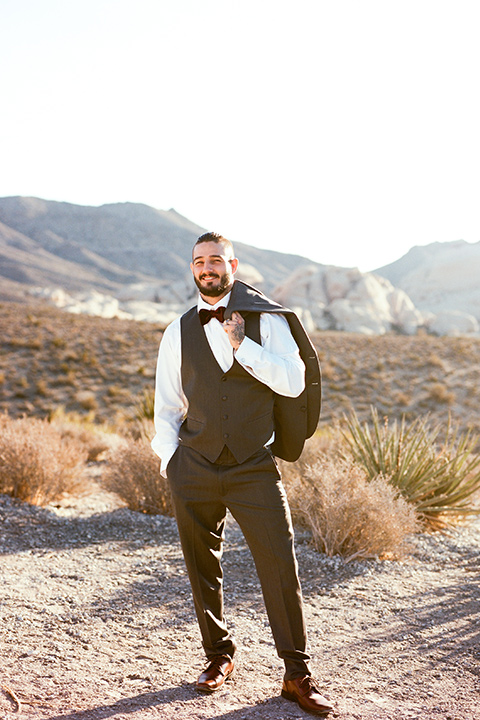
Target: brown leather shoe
pixel 219 669
pixel 304 692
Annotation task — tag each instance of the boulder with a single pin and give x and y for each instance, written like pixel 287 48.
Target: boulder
pixel 346 299
pixel 453 323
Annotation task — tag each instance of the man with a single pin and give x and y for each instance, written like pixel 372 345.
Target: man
pixel 217 380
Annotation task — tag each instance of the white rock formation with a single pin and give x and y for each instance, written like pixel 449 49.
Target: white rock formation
pixel 324 297
pixel 346 299
pixel 453 322
pixel 94 303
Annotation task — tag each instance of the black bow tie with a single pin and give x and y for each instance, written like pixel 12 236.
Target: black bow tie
pixel 207 315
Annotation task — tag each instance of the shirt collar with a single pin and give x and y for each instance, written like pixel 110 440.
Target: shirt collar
pixel 223 302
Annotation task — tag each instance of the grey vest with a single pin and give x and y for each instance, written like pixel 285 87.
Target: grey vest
pixel 230 409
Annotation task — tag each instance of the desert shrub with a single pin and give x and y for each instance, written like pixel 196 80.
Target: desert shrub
pixel 133 473
pixel 439 393
pixel 348 514
pixel 37 464
pixel 96 439
pixel 41 388
pixel 326 441
pixel 87 400
pixel 145 405
pixel 439 476
pixel 143 429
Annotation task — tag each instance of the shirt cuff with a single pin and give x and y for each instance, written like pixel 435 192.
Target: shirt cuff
pixel 248 351
pixel 165 452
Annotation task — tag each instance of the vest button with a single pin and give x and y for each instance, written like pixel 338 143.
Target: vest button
pixel 224 397
pixel 225 417
pixel 226 435
pixel 224 378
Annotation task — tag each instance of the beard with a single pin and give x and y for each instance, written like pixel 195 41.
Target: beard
pixel 223 284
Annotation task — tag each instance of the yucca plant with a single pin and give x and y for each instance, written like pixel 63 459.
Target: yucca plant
pixel 439 476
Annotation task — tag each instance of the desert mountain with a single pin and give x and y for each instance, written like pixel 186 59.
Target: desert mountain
pixel 131 260
pixel 108 247
pixel 441 276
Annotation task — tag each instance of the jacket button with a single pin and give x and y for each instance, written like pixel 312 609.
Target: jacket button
pixel 224 378
pixel 225 417
pixel 224 397
pixel 226 435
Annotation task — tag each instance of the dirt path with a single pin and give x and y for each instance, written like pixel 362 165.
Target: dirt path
pixel 96 622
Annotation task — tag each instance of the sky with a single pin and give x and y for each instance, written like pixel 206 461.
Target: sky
pixel 346 131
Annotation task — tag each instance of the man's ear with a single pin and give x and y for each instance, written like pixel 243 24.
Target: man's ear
pixel 234 264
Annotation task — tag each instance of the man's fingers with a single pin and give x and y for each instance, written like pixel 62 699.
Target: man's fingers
pixel 236 319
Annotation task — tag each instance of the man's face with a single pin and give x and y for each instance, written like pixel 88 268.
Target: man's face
pixel 213 270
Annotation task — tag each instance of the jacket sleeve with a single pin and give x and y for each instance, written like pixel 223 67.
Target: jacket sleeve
pixel 276 362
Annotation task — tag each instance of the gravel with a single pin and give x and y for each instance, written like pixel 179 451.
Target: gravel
pixel 96 621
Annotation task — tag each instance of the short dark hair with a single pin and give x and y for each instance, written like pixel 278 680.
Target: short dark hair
pixel 216 238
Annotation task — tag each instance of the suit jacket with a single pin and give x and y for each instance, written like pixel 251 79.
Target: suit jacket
pixel 296 419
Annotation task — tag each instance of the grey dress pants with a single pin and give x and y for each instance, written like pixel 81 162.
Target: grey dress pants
pixel 253 492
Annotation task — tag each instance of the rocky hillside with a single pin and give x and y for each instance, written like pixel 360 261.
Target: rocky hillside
pixel 111 247
pixel 129 260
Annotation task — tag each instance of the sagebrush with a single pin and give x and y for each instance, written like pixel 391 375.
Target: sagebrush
pixel 133 473
pixel 37 463
pixel 82 428
pixel 348 514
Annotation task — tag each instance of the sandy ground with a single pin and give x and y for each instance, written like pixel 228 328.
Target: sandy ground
pixel 96 622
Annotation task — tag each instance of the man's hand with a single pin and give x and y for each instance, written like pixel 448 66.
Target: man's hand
pixel 235 329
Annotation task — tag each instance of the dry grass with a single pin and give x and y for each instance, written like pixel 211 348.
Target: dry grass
pixel 102 370
pixel 348 514
pixel 37 463
pixel 133 473
pixel 327 441
pixel 50 358
pixel 96 440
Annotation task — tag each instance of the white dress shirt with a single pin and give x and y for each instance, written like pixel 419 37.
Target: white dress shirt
pixel 276 363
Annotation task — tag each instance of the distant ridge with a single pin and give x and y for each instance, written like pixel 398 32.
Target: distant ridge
pixel 131 260
pixel 83 247
pixel 439 276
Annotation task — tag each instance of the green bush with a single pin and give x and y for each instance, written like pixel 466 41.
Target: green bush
pixel 439 475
